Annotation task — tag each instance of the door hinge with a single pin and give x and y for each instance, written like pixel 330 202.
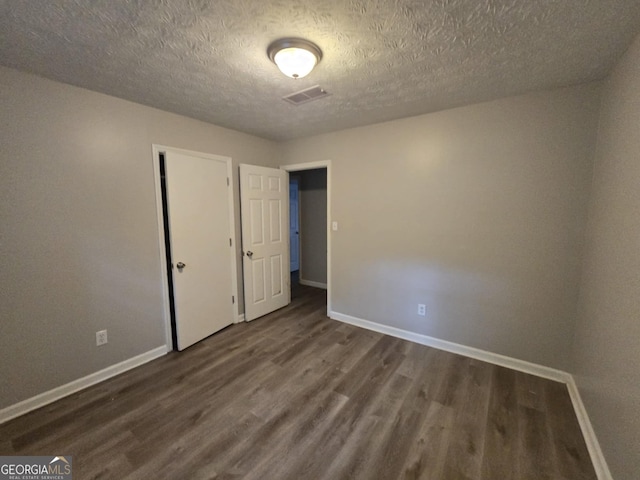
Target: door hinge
pixel 230 244
pixel 227 181
pixel 233 299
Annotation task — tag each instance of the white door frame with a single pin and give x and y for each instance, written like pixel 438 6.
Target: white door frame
pixel 164 268
pixel 312 166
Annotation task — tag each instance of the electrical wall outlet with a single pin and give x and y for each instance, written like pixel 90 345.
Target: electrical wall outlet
pixel 422 309
pixel 101 338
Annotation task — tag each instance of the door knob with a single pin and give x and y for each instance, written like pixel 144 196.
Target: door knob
pixel 249 254
pixel 180 265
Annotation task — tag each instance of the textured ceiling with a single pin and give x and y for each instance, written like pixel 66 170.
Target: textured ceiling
pixel 383 59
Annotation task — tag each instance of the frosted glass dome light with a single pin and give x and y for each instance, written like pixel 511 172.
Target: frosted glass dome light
pixel 294 57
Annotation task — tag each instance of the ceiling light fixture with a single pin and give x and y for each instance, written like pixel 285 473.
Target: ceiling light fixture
pixel 295 57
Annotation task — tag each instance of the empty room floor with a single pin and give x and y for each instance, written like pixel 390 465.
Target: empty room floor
pixel 295 395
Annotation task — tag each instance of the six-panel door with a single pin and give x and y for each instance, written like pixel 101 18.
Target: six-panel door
pixel 265 239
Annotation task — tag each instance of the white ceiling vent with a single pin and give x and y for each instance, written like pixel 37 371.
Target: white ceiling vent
pixel 307 95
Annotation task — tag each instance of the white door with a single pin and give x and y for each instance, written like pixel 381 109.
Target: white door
pixel 199 228
pixel 294 224
pixel 265 239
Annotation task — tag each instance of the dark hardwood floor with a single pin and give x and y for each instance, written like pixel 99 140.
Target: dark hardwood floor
pixel 295 395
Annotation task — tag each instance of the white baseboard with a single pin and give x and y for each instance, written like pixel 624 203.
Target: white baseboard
pixel 62 391
pixel 597 457
pixel 595 452
pixel 311 283
pixel 490 357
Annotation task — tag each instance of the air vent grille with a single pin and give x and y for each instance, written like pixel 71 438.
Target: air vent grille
pixel 307 95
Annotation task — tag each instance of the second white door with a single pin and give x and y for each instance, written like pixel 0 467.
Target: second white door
pixel 265 239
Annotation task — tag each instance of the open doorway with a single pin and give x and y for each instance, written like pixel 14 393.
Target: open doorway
pixel 309 207
pixel 294 223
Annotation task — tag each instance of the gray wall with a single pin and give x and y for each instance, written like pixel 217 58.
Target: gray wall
pixel 607 348
pixel 79 235
pixel 478 212
pixel 313 225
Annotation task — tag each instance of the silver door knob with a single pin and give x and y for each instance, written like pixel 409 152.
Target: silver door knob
pixel 180 265
pixel 249 254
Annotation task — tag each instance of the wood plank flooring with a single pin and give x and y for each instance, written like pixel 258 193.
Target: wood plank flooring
pixel 295 395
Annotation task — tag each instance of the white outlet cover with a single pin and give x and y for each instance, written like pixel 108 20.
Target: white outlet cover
pixel 101 338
